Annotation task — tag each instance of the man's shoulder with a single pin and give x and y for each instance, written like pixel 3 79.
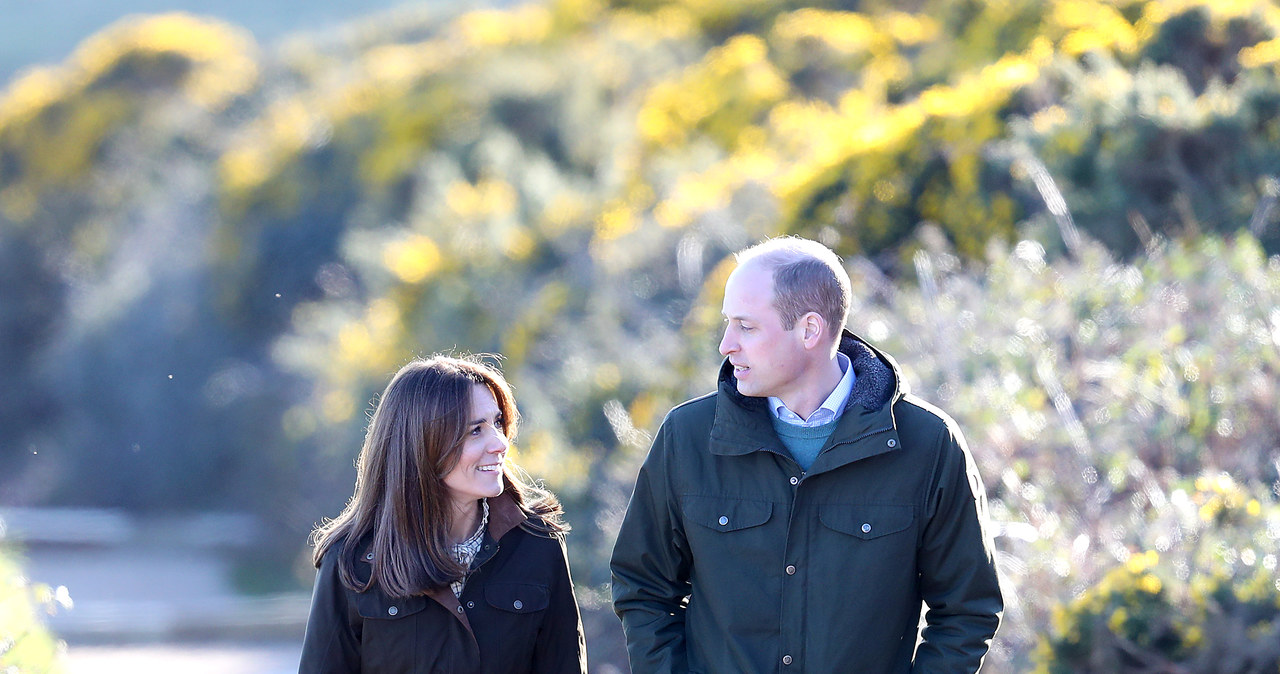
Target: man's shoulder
pixel 914 412
pixel 694 410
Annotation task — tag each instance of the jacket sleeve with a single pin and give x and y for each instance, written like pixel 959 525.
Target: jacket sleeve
pixel 561 646
pixel 957 566
pixel 331 644
pixel 650 569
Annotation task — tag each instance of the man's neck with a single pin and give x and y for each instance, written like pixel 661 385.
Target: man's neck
pixel 823 380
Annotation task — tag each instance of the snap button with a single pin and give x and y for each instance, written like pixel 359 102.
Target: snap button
pixel 795 480
pixel 369 556
pixel 866 528
pixel 791 570
pixel 786 659
pixel 892 443
pixel 471 604
pixel 459 609
pixel 723 520
pixel 392 610
pixel 518 604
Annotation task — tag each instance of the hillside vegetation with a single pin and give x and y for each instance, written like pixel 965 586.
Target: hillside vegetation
pixel 1060 218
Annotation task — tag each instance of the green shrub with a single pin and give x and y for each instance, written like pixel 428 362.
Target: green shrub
pixel 1212 605
pixel 26 645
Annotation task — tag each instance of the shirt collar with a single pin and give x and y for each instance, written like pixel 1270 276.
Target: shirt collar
pixel 830 409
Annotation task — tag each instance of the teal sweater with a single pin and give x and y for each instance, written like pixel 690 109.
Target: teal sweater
pixel 803 442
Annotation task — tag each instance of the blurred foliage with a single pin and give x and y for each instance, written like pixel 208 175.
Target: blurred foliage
pixel 1116 409
pixel 1058 216
pixel 1214 608
pixel 56 121
pixel 26 646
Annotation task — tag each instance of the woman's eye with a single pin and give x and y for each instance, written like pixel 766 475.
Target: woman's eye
pixel 475 431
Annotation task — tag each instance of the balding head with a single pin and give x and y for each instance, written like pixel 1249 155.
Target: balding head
pixel 807 276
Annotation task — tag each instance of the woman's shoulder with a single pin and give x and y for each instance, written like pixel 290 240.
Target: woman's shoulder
pixel 543 528
pixel 336 550
pixel 531 556
pixel 332 547
pixel 537 544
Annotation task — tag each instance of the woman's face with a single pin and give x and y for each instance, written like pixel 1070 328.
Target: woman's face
pixel 478 473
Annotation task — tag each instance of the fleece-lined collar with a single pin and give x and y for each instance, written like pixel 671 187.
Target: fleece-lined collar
pixel 877 381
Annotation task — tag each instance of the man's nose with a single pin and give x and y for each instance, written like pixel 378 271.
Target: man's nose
pixel 727 345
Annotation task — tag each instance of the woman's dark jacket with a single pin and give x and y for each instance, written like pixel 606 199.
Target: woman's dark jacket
pixel 517 613
pixel 733 559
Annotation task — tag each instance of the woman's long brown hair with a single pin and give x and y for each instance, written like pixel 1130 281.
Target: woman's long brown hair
pixel 401 503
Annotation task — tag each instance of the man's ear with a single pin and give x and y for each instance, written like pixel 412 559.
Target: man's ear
pixel 814 330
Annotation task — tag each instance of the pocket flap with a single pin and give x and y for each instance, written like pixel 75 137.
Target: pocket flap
pixel 726 514
pixel 867 521
pixel 517 597
pixel 376 605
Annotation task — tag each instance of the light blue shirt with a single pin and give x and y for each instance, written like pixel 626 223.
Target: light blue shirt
pixel 831 408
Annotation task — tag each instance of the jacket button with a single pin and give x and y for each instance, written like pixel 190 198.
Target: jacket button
pixel 392 610
pixel 892 443
pixel 471 604
pixel 459 609
pixel 791 570
pixel 518 604
pixel 369 556
pixel 786 659
pixel 795 480
pixel 723 520
pixel 866 528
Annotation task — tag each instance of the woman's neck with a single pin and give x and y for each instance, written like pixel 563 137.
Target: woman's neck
pixel 466 517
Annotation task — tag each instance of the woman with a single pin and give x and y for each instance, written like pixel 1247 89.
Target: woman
pixel 443 560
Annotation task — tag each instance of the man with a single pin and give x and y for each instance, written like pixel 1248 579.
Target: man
pixel 796 519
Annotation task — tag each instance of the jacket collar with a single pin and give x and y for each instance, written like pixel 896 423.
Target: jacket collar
pixel 504 514
pixel 742 423
pixel 878 380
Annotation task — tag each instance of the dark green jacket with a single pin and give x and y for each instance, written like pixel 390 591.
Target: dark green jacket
pixel 732 559
pixel 517 614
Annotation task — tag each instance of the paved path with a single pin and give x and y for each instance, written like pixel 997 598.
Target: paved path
pixel 228 658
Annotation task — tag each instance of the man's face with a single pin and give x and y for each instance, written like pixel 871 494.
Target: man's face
pixel 767 360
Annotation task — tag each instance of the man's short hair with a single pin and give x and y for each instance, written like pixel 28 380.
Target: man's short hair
pixel 807 276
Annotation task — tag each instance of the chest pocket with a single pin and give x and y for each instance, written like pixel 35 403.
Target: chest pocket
pixel 867 522
pixel 726 514
pixel 517 597
pixel 389 631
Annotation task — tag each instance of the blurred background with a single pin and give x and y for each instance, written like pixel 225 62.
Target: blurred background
pixel 223 228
